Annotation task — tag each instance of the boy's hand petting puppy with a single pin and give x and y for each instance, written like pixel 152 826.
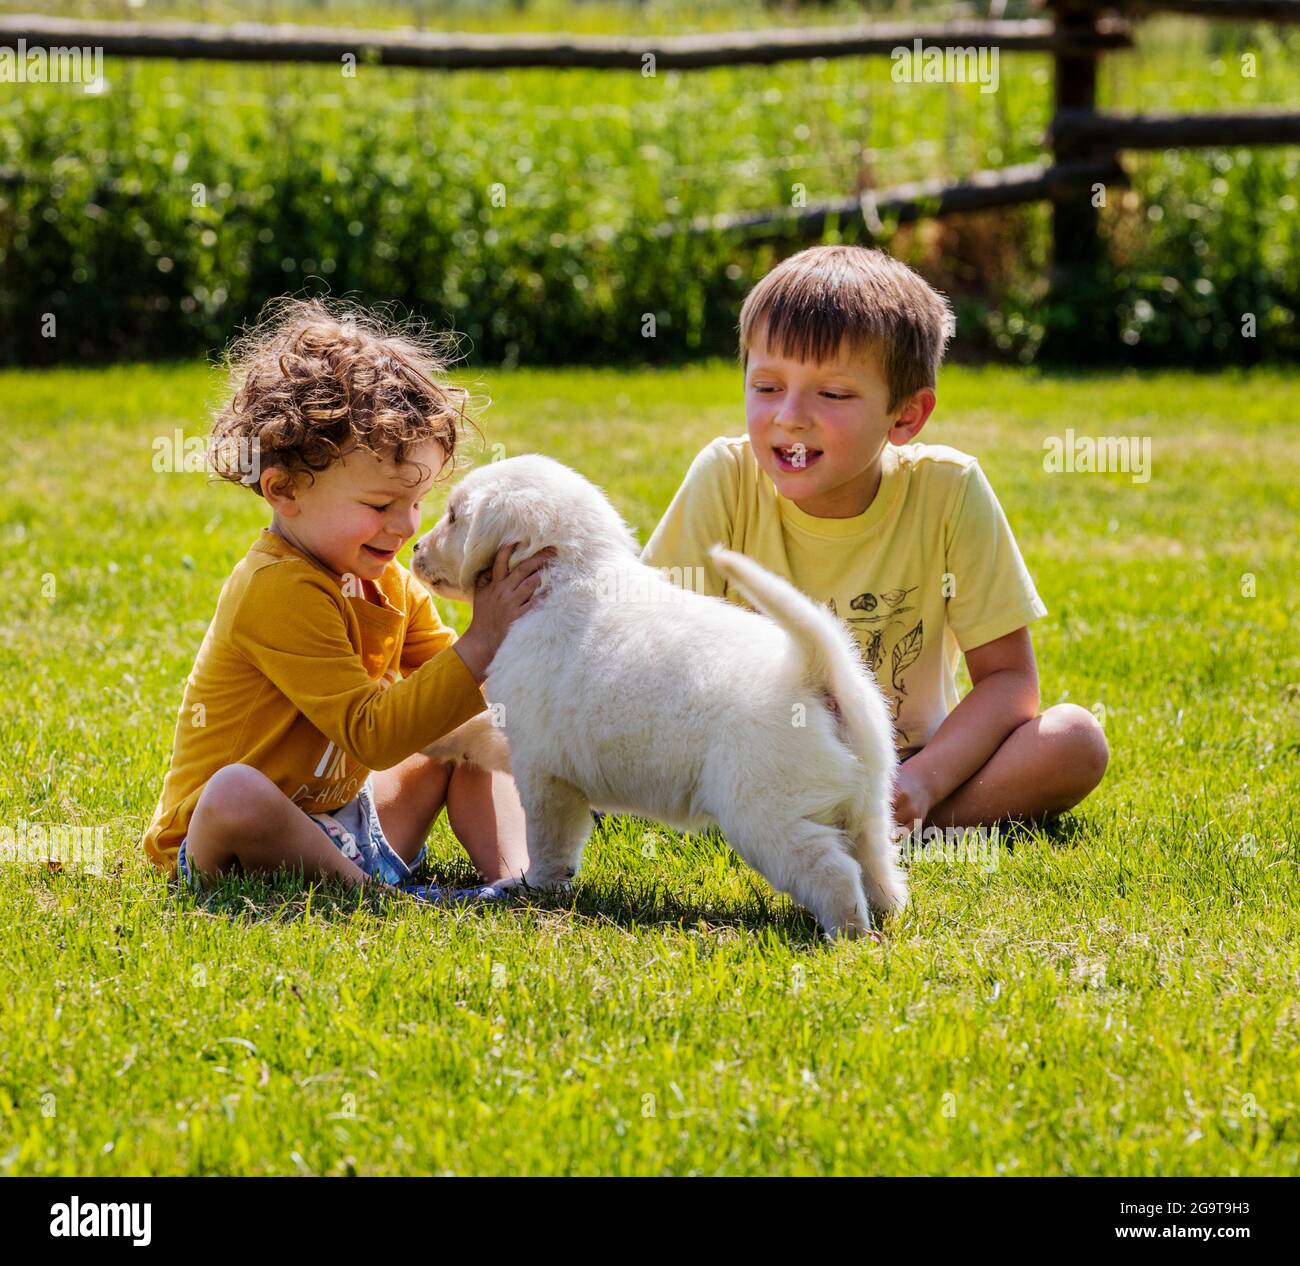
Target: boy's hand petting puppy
pixel 501 598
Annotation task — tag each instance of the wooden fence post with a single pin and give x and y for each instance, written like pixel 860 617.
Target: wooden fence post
pixel 1078 252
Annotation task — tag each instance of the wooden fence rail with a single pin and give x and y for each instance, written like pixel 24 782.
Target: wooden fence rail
pixel 440 50
pixel 1084 144
pixel 1232 10
pixel 904 204
pixel 1176 131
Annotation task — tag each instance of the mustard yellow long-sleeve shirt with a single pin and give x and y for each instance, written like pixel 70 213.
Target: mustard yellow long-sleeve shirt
pixel 311 686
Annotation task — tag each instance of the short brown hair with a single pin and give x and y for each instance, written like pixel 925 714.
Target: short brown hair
pixel 315 379
pixel 811 304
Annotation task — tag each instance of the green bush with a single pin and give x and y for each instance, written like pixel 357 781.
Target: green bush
pixel 520 209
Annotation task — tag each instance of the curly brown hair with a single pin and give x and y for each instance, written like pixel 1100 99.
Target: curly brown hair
pixel 315 378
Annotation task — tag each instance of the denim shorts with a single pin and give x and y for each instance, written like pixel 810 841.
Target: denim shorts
pixel 356 833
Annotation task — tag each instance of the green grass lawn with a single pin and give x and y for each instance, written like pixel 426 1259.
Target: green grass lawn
pixel 1117 997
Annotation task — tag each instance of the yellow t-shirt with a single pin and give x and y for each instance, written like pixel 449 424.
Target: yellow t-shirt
pixel 928 570
pixel 311 686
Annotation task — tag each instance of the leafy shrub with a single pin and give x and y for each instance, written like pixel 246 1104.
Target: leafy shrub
pixel 522 209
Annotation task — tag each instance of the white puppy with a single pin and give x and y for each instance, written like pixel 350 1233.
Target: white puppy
pixel 623 691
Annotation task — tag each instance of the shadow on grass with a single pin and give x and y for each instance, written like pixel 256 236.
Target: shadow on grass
pixel 286 897
pixel 1060 830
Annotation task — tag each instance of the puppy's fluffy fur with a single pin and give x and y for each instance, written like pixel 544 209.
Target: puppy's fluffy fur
pixel 623 691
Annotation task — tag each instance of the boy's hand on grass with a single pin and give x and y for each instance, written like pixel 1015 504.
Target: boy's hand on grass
pixel 501 598
pixel 913 799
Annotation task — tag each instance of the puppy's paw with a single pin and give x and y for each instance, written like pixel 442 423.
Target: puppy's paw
pixel 550 879
pixel 853 933
pixel 847 920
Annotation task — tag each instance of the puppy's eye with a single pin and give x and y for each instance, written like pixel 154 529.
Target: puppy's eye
pixel 451 515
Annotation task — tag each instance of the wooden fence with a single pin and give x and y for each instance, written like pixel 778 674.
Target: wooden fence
pixel 1084 145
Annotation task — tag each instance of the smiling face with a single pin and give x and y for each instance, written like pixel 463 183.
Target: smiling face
pixel 818 428
pixel 359 511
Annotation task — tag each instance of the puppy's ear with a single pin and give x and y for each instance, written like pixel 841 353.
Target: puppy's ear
pixel 536 521
pixel 530 542
pixel 482 540
pixel 513 515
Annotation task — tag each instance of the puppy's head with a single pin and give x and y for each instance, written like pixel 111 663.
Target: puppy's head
pixel 532 501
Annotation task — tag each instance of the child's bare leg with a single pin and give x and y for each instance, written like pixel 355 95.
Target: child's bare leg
pixel 408 799
pixel 483 809
pixel 1045 765
pixel 243 816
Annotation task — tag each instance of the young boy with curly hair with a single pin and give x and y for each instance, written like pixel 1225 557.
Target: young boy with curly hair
pixel 840 348
pixel 326 670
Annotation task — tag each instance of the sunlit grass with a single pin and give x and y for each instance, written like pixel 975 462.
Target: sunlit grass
pixel 1117 996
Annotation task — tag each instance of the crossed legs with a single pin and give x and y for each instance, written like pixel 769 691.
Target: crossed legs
pixel 243 817
pixel 1046 765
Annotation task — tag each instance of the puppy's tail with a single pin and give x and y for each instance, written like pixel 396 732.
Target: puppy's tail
pixel 834 665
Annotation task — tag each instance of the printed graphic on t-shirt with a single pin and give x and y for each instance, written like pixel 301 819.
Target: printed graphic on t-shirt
pixel 332 766
pixel 891 641
pixel 331 763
